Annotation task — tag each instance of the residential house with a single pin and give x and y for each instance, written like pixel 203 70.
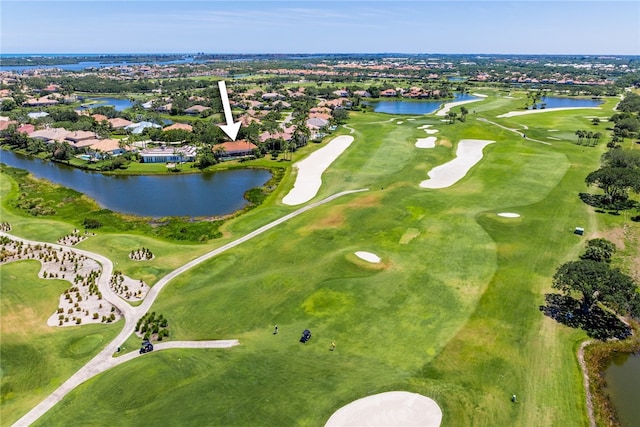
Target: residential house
pixel 117 123
pixel 165 154
pixel 50 135
pixel 341 93
pixel 26 128
pixel 45 101
pixel 111 146
pixel 234 149
pixel 37 115
pixel 138 128
pixel 166 108
pixel 317 126
pixel 196 109
pixel 179 126
pixel 362 94
pixel 77 138
pixel 100 118
pixel 270 96
pixel 388 93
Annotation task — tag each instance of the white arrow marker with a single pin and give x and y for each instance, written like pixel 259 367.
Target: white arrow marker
pixel 231 128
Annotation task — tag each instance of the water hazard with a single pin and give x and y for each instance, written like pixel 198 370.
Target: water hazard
pixel 199 194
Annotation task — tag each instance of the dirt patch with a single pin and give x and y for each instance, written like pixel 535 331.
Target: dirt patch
pixel 371 199
pixel 445 143
pixel 616 235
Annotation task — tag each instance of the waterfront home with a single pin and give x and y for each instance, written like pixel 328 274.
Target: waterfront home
pixel 166 154
pixel 111 146
pixel 234 149
pixel 389 93
pixel 50 135
pixel 74 138
pixel 45 101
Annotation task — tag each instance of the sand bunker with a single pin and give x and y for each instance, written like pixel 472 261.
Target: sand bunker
pixel 545 110
pixel 509 215
pixel 479 95
pixel 399 123
pixel 395 408
pixel 428 142
pixel 469 153
pixel 368 256
pixel 310 170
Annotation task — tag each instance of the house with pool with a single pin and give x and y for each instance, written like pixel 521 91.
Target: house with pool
pixel 164 154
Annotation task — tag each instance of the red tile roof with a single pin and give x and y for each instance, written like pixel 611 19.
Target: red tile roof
pixel 179 126
pixel 241 146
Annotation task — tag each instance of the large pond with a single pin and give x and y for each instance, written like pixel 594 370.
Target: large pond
pixel 623 387
pixel 117 103
pixel 200 194
pixel 414 107
pixel 559 102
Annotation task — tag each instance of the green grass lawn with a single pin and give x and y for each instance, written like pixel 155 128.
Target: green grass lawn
pixel 36 358
pixel 451 312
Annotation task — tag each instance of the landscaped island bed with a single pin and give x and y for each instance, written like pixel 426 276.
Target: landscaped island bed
pixel 433 287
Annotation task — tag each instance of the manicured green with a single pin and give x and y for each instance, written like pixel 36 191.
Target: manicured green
pixel 452 312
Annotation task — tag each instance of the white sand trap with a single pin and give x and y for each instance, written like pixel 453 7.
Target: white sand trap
pixel 509 215
pixel 399 123
pixel 410 120
pixel 310 170
pixel 553 130
pixel 431 131
pixel 424 126
pixel 428 142
pixel 479 95
pixel 544 110
pixel 449 105
pixel 393 409
pixel 469 153
pixel 445 120
pixel 553 137
pixel 368 256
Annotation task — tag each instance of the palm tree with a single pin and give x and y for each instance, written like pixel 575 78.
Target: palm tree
pixel 589 135
pixel 463 113
pixel 452 117
pixel 580 134
pixel 596 137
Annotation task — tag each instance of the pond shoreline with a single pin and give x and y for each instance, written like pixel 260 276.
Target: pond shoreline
pixel 597 356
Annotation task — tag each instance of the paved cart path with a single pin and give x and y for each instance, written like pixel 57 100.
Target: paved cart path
pixel 105 360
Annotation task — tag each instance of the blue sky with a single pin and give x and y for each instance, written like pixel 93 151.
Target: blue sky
pixel 427 26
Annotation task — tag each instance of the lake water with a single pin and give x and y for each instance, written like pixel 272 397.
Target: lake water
pixel 117 103
pixel 559 102
pixel 199 194
pixel 414 107
pixel 623 387
pixel 79 66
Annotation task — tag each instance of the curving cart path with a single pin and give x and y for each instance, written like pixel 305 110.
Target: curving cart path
pixel 105 360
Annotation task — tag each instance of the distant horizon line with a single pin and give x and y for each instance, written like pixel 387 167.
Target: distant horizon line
pixel 72 54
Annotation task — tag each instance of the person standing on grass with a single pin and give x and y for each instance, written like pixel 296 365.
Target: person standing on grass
pixel 333 345
pixel 275 330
